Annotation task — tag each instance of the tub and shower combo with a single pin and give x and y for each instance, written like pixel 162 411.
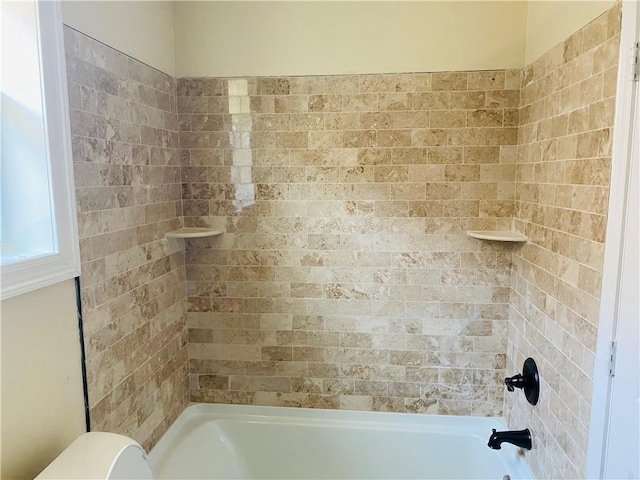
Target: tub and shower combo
pixel 217 441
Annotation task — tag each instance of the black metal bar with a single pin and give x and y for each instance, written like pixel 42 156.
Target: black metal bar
pixel 83 360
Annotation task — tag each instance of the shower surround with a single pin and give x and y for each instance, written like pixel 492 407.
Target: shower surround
pixel 562 199
pixel 127 177
pixel 344 278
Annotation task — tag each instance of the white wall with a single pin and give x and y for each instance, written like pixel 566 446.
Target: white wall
pixel 311 38
pixel 143 30
pixel 236 38
pixel 41 382
pixel 551 22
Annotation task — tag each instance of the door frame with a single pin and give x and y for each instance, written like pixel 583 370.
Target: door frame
pixel 626 106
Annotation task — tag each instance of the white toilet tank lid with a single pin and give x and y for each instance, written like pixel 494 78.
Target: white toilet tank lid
pixel 100 455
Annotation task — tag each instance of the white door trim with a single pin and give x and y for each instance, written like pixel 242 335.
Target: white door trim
pixel 626 105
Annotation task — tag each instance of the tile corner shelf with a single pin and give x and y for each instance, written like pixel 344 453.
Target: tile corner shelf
pixel 193 232
pixel 498 235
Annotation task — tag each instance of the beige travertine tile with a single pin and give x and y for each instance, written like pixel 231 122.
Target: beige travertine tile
pixel 305 85
pixel 344 278
pixel 447 118
pixel 561 203
pixel 367 174
pixel 342 84
pixel 127 172
pixel 449 81
pixel 487 80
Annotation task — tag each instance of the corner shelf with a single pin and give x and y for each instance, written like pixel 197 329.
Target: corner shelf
pixel 193 232
pixel 498 235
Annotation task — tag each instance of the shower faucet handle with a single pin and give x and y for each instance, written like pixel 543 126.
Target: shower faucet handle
pixel 517 381
pixel 529 381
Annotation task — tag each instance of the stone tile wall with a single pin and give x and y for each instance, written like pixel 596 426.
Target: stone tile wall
pixel 344 278
pixel 562 187
pixel 127 175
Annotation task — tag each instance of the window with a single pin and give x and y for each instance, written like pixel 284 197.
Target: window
pixel 38 233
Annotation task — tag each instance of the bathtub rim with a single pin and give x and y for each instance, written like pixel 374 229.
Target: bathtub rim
pixel 479 427
pixel 286 414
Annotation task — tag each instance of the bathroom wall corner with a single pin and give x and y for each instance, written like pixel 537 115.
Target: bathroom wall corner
pixel 562 187
pixel 127 169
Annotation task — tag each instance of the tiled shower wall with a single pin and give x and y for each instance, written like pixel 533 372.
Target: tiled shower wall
pixel 343 278
pixel 562 192
pixel 127 176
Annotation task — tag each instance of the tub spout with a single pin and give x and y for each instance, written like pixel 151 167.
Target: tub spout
pixel 519 438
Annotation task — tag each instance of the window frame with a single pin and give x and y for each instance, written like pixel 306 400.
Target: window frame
pixel 40 271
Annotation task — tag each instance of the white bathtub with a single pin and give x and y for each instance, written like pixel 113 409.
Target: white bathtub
pixel 230 441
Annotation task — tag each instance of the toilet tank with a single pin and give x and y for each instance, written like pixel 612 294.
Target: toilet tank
pixel 100 455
